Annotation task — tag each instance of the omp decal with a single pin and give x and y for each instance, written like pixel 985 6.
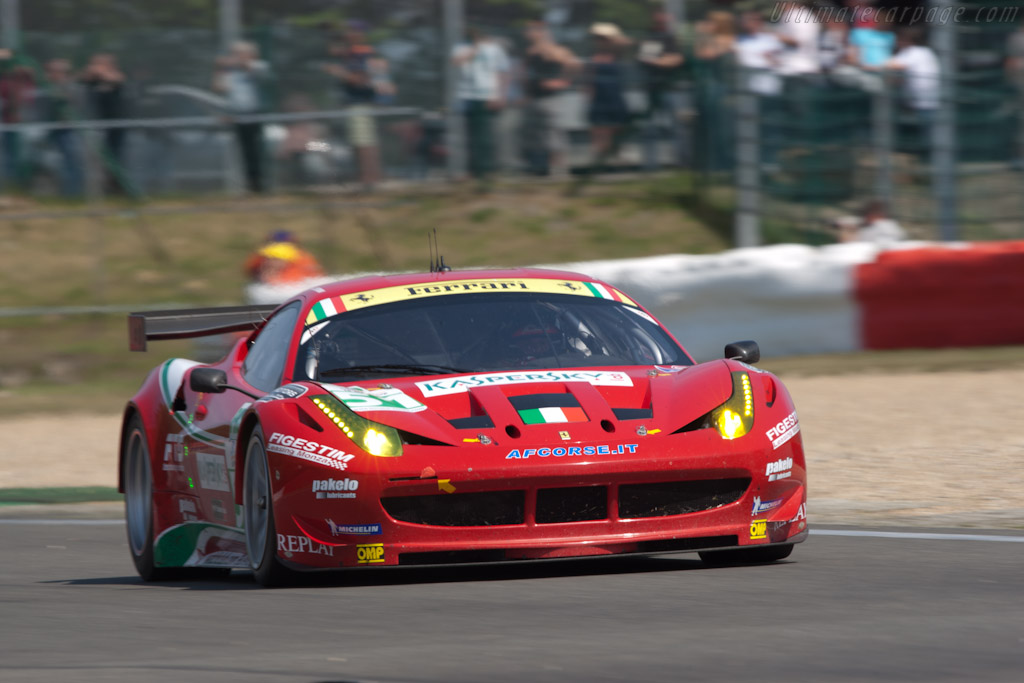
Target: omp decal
pixel 200 544
pixel 456 385
pixel 325 308
pixel 780 469
pixel 171 375
pixel 604 449
pixel 312 451
pixel 784 431
pixel 370 553
pixel 354 529
pixel 758 529
pixel 361 400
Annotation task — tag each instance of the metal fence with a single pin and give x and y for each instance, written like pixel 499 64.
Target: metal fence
pixel 776 167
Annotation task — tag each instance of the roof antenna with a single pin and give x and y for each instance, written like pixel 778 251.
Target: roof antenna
pixel 437 264
pixel 430 248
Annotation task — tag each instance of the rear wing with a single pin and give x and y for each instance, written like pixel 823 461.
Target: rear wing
pixel 193 322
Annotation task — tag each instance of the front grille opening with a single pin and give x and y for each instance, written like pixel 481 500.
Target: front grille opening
pixel 702 422
pixel 410 439
pixel 678 497
pixel 574 504
pixel 486 508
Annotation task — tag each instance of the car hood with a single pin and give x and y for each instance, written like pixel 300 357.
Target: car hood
pixel 592 403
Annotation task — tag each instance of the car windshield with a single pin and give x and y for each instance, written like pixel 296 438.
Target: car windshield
pixel 479 333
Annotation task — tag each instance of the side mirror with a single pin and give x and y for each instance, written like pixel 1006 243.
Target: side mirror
pixel 208 380
pixel 745 351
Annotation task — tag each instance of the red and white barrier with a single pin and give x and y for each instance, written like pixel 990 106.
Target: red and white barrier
pixel 795 299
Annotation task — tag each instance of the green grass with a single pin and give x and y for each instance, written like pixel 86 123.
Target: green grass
pixel 69 494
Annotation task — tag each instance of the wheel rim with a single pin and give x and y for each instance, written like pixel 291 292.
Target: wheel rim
pixel 138 490
pixel 256 499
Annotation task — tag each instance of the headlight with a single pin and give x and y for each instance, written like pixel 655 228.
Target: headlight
pixel 372 437
pixel 735 417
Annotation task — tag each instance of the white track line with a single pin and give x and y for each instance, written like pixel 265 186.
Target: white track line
pixel 917 535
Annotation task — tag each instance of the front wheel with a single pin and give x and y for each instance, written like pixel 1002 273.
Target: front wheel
pixel 721 558
pixel 258 511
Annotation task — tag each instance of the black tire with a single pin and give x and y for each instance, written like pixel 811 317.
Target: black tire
pixel 722 558
pixel 258 512
pixel 136 467
pixel 138 511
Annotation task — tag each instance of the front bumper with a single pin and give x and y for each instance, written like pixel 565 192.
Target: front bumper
pixel 694 492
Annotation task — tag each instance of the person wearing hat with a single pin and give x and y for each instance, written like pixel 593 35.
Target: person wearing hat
pixel 281 260
pixel 606 82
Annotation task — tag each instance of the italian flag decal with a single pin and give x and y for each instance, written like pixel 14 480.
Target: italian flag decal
pixel 324 308
pixel 538 416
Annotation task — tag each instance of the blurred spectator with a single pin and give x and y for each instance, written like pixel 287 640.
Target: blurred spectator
pixel 661 61
pixel 834 43
pixel 606 82
pixel 715 43
pixel 243 77
pixel 17 88
pixel 549 69
pixel 920 67
pixel 799 30
pixel 355 65
pixel 874 225
pixel 281 260
pixel 57 103
pixel 871 45
pixel 760 51
pixel 483 71
pixel 510 145
pixel 305 150
pixel 104 84
pixel 384 90
pixel 1015 72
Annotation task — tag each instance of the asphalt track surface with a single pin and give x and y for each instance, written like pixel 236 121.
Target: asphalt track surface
pixel 843 608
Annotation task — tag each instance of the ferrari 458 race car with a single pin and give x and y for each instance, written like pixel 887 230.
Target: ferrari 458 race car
pixel 453 417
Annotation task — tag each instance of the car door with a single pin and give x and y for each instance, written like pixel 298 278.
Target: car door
pixel 213 417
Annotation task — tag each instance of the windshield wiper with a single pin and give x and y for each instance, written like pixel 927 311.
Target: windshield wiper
pixel 397 368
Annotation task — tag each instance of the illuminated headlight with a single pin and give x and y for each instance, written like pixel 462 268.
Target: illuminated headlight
pixel 372 437
pixel 735 417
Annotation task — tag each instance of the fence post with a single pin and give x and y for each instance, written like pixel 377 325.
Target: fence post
pixel 229 24
pixel 454 24
pixel 10 24
pixel 747 222
pixel 944 132
pixel 882 123
pixel 676 10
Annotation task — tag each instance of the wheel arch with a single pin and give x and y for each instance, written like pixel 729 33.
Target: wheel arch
pixel 130 411
pixel 245 430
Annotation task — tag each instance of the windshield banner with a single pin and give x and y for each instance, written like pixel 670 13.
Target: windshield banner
pixel 329 306
pixel 457 385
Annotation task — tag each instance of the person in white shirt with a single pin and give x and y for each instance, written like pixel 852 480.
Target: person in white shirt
pixel 799 31
pixel 759 51
pixel 483 76
pixel 921 72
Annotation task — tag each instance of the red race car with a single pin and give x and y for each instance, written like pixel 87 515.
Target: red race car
pixel 453 417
